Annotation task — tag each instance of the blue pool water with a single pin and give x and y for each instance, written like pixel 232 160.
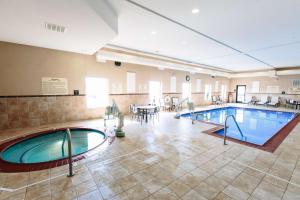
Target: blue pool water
pixel 52 146
pixel 258 126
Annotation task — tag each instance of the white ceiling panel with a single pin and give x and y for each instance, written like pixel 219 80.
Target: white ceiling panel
pixel 281 56
pixel 247 26
pixel 243 24
pixel 237 62
pixel 89 24
pixel 135 32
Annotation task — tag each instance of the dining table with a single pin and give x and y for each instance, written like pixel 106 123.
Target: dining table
pixel 145 109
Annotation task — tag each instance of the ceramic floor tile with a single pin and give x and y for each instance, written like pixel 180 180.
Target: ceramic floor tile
pixel 235 193
pixel 206 190
pixel 267 191
pixel 193 195
pixel 179 188
pixel 246 182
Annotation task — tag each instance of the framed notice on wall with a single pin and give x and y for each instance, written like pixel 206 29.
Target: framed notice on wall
pixel 54 86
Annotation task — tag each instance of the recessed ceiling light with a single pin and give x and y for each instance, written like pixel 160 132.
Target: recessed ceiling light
pixel 195 10
pixel 153 32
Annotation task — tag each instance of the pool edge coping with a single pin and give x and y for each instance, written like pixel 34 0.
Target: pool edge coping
pixel 10 167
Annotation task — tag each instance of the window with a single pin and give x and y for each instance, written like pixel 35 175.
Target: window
pixel 207 92
pixel 296 85
pixel 255 87
pixel 186 90
pixel 97 92
pixel 198 85
pixel 173 84
pixel 224 92
pixel 131 82
pixel 217 86
pixel 155 91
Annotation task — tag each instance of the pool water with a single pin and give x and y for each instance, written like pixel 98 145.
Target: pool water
pixel 257 125
pixel 52 146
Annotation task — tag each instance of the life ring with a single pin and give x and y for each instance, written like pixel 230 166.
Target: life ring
pixel 167 99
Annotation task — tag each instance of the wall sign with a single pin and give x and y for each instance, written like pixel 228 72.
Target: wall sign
pixel 54 86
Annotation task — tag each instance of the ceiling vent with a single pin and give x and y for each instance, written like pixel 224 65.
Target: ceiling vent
pixel 55 27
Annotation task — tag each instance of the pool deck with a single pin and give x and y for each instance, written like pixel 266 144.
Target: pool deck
pixel 169 159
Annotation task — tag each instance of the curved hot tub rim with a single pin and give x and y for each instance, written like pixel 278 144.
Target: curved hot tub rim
pixel 10 167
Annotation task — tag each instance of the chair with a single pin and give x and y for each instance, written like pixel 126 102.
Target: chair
pixel 219 100
pixel 291 103
pixel 274 101
pixel 162 103
pixel 253 100
pixel 175 101
pixel 133 111
pixel 214 99
pixel 154 113
pixel 263 100
pixel 141 115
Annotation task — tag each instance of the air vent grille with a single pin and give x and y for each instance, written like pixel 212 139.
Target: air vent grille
pixel 55 27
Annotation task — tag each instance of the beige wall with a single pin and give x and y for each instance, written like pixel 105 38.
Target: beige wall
pixel 22 67
pixel 284 83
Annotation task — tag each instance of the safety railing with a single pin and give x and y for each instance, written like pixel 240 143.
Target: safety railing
pixel 225 127
pixel 70 161
pixel 195 117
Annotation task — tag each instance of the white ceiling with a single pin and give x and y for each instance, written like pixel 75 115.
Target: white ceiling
pixel 268 30
pixel 90 23
pixel 235 35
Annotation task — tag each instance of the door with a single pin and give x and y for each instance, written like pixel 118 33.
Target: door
pixel 240 93
pixel 155 92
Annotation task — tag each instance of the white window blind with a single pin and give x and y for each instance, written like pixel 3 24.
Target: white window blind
pixel 186 90
pixel 296 85
pixel 173 84
pixel 198 85
pixel 207 92
pixel 223 92
pixel 255 87
pixel 217 86
pixel 155 92
pixel 97 92
pixel 131 82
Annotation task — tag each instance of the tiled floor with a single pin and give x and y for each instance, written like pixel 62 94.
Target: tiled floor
pixel 170 159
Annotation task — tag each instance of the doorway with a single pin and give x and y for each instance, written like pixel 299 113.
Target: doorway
pixel 240 93
pixel 155 92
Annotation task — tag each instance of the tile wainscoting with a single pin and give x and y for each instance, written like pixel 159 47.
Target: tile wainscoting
pixel 28 111
pixel 18 112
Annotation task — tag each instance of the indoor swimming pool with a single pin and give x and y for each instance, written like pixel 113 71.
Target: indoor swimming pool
pixel 257 125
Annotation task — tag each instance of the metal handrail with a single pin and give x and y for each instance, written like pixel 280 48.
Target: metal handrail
pixel 225 127
pixel 195 119
pixel 180 103
pixel 70 153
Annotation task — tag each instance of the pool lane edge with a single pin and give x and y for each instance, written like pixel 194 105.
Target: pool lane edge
pixel 9 167
pixel 270 145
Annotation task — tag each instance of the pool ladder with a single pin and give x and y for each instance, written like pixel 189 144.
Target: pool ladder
pixel 70 153
pixel 196 116
pixel 225 127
